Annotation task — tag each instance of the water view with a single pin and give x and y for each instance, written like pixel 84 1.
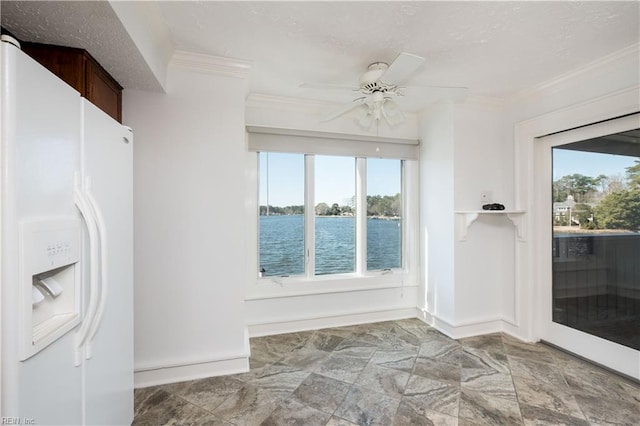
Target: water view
pixel 282 244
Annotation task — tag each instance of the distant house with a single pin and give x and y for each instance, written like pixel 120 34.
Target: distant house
pixel 562 211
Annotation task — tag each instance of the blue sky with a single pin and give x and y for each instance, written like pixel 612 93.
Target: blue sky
pixel 567 162
pixel 335 178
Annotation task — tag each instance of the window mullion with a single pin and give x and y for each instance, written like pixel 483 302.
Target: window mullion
pixel 361 215
pixel 309 216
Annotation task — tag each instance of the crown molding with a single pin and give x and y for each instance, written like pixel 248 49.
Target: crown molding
pixel 628 51
pixel 209 64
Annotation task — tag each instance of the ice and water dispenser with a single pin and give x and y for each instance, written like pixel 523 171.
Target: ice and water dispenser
pixel 50 278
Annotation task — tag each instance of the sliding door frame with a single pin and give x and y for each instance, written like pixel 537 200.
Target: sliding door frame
pixel 533 260
pixel 602 351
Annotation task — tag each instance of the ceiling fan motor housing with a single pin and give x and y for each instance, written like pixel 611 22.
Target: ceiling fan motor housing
pixel 376 70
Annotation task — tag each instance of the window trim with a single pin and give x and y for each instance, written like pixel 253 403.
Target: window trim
pixel 360 279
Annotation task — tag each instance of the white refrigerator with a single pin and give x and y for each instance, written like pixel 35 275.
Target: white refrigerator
pixel 66 200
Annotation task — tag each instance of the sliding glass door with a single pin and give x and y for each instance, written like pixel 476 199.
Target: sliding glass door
pixel 589 188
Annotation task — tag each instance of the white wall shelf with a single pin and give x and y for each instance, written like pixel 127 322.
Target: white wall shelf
pixel 466 218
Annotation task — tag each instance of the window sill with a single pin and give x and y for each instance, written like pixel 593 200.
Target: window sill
pixel 281 287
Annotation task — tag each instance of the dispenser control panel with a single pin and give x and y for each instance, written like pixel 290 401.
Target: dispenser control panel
pixel 51 246
pixel 50 252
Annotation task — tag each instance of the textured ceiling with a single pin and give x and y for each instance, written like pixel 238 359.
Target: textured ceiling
pixel 89 25
pixel 496 49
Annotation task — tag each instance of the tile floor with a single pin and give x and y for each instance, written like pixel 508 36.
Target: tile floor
pixel 397 373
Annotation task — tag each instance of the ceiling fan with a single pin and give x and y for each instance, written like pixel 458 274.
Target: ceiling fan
pixel 380 84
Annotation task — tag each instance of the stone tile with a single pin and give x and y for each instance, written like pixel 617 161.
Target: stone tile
pixel 269 349
pixel 442 349
pixel 292 412
pixel 337 421
pixel 355 349
pixel 599 382
pixel 279 344
pixel 608 411
pixel 381 338
pixel 398 359
pixel 365 407
pixel 547 396
pixel 341 367
pixel 258 362
pixel 206 393
pixel 323 342
pixel 344 332
pixel 162 408
pixel 487 342
pixel 408 415
pixel 480 408
pixel 304 358
pixel 539 371
pixel 537 416
pixel 418 329
pixel 482 360
pixel 276 377
pixel 307 378
pixel 323 393
pixel 250 405
pixel 141 395
pixel 436 370
pixel 387 380
pixel 468 422
pixel 535 352
pixel 424 395
pixel 413 335
pixel 498 385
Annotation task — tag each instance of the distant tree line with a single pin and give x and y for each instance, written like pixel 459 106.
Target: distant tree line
pixel 602 202
pixel 279 211
pixel 377 205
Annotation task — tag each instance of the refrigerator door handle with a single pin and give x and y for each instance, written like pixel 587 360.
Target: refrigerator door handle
pixel 104 288
pixel 81 336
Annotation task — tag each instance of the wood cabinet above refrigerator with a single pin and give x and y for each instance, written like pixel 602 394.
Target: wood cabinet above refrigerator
pixel 82 72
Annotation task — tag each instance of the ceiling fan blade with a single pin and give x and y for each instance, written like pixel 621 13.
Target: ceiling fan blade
pixel 328 86
pixel 404 65
pixel 344 109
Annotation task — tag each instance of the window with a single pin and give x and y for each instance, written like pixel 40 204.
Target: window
pixel 335 231
pixel 333 209
pixel 281 225
pixel 331 188
pixel 384 213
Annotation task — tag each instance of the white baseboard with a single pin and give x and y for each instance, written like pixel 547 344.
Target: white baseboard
pixel 316 323
pixel 467 328
pixel 160 375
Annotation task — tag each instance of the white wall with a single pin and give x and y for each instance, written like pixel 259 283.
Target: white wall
pixel 189 231
pixel 469 283
pixel 484 261
pixel 436 210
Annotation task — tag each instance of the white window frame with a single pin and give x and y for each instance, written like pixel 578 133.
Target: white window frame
pixel 360 279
